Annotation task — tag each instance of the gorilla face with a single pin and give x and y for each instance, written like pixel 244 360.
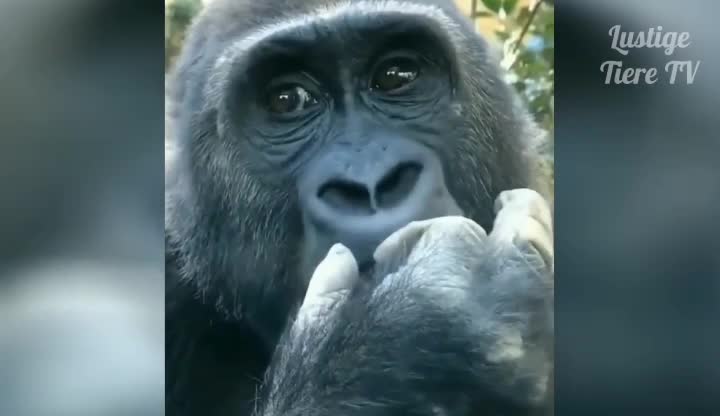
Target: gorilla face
pixel 358 134
pixel 338 125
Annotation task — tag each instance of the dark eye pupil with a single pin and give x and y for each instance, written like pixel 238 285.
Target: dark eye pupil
pixel 289 100
pixel 394 76
pixel 284 101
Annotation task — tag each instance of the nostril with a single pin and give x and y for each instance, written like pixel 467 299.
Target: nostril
pixel 397 184
pixel 347 197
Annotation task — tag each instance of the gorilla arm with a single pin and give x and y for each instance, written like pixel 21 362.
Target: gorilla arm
pixel 456 322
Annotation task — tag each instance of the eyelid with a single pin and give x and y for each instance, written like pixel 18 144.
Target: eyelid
pixel 392 55
pixel 292 80
pixel 302 78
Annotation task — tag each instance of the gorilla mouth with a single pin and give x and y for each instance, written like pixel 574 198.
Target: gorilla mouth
pixel 366 267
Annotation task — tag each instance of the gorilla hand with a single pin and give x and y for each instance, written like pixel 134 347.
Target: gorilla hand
pixel 291 383
pixel 501 284
pixel 524 217
pixel 461 325
pixel 329 286
pixel 523 220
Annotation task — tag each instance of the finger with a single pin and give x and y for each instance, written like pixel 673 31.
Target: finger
pixel 333 278
pixel 517 228
pixel 528 200
pixel 441 232
pixel 523 216
pixel 400 242
pixel 451 237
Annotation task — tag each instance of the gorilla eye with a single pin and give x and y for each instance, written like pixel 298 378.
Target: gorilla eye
pixel 395 74
pixel 290 99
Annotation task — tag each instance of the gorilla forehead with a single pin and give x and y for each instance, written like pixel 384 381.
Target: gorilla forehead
pixel 311 21
pixel 246 15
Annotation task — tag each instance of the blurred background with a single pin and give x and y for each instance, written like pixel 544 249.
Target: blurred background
pixel 81 203
pixel 81 208
pixel 637 198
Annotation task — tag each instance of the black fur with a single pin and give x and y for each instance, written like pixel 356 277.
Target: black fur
pixel 412 346
pixel 238 261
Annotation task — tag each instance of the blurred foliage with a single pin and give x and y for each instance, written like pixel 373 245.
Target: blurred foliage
pixel 527 36
pixel 178 15
pixel 525 30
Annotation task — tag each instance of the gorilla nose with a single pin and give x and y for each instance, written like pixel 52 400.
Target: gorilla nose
pixel 347 197
pixel 363 208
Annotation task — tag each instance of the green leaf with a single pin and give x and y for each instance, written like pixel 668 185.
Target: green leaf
pixel 549 55
pixel 509 6
pixel 503 36
pixel 184 10
pixel 493 5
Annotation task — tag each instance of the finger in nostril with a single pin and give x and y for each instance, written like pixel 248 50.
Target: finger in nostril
pixel 346 197
pixel 398 184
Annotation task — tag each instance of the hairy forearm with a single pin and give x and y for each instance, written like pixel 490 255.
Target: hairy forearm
pixel 419 343
pixel 454 322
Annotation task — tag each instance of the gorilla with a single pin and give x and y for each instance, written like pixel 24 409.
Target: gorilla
pixel 355 222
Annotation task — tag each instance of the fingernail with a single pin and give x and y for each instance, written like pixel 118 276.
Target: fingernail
pixel 339 249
